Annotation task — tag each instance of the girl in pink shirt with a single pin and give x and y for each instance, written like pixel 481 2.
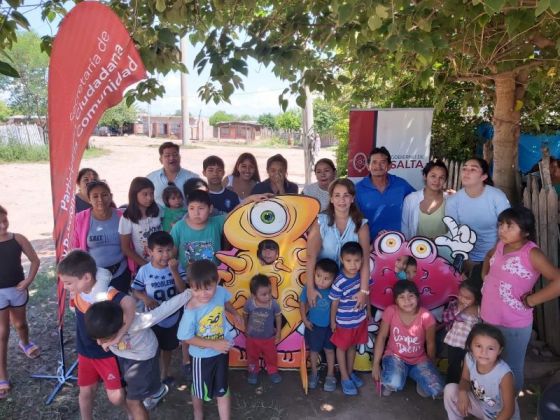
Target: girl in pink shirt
pixel 510 270
pixel 410 332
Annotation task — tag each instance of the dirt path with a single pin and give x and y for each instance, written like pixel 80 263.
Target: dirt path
pixel 25 189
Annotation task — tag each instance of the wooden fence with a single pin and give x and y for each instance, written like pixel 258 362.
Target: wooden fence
pixel 543 201
pixel 27 134
pixel 454 178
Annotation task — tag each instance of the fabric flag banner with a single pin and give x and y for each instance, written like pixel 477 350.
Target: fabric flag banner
pixel 406 133
pixel 93 61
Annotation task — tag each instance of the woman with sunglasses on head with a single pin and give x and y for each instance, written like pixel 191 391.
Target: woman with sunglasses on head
pixel 85 176
pixel 477 205
pixel 96 230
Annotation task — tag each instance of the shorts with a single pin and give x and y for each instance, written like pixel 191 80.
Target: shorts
pixel 344 338
pixel 91 371
pixel 167 337
pixel 210 377
pixel 10 297
pixel 319 339
pixel 141 377
pixel 122 282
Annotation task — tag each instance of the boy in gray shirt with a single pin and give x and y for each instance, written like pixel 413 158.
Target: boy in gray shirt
pixel 137 352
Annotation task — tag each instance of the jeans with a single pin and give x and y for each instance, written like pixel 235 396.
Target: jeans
pixel 517 340
pixel 395 371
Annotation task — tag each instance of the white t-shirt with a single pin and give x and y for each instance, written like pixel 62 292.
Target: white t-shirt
pixel 140 232
pixel 140 342
pixel 313 190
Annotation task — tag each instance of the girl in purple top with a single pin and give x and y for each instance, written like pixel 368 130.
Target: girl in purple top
pixel 510 270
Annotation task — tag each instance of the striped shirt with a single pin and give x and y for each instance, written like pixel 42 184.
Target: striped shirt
pixel 345 290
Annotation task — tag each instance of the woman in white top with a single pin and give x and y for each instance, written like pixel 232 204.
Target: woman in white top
pixel 423 210
pixel 325 172
pixel 244 177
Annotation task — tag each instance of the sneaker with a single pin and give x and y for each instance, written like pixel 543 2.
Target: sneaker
pixel 187 370
pixel 387 391
pixel 357 381
pixel 330 384
pixel 252 378
pixel 421 392
pixel 312 381
pixel 275 378
pixel 348 387
pixel 151 402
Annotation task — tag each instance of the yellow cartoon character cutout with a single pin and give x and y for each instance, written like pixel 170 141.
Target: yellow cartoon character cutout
pixel 283 220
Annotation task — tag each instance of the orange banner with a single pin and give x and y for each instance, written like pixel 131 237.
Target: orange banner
pixel 93 61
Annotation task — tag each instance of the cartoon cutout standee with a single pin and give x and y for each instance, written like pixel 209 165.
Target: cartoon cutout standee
pixel 436 277
pixel 284 219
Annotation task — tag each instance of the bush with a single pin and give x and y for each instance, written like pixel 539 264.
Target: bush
pixel 16 152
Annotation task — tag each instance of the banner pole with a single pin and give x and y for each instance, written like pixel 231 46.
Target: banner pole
pixel 62 375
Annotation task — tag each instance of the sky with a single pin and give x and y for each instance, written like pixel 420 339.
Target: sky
pixel 260 95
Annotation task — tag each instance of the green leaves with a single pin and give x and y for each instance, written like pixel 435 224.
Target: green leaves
pixel 493 6
pixel 7 70
pixel 374 22
pixel 345 12
pixel 555 6
pixel 382 11
pixel 542 6
pixel 160 6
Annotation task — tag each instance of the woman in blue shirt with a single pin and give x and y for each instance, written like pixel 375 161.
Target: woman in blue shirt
pixel 342 222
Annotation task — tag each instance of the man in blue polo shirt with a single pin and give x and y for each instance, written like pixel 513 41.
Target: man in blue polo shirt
pixel 380 195
pixel 171 173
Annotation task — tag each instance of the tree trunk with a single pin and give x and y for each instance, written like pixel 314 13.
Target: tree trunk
pixel 506 135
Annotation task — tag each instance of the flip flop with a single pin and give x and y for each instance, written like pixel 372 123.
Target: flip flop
pixel 31 350
pixel 4 389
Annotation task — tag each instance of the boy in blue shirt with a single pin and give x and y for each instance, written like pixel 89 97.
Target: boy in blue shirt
pixel 222 199
pixel 349 322
pixel 317 322
pixel 205 329
pixel 156 282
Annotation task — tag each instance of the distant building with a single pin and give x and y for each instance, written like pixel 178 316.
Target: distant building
pixel 27 119
pixel 245 130
pixel 171 127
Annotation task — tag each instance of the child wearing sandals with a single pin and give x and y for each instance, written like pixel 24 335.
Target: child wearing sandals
pixel 316 319
pixel 13 295
pixel 411 345
pixel 348 322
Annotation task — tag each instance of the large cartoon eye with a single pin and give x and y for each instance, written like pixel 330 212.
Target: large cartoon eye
pixel 421 248
pixel 390 244
pixel 268 217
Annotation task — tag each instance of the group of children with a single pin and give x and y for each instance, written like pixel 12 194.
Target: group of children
pixel 177 283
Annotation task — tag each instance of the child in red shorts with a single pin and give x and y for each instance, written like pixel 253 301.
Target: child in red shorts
pixel 348 322
pixel 88 284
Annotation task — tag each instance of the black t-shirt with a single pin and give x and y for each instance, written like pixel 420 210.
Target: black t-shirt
pixel 265 187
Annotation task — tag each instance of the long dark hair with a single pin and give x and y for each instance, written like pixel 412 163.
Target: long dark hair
pixel 133 212
pixel 522 217
pixel 355 213
pixel 250 157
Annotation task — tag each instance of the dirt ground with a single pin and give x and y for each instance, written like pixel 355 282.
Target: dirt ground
pixel 25 192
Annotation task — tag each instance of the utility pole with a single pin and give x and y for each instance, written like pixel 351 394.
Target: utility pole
pixel 186 127
pixel 308 135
